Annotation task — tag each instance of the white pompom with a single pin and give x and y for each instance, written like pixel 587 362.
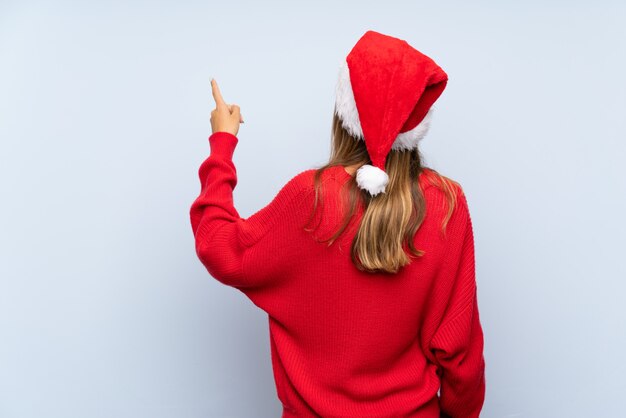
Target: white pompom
pixel 372 179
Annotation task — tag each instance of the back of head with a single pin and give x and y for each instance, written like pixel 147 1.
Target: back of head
pixel 384 105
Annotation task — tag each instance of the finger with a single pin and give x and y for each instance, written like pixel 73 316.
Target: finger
pixel 217 94
pixel 236 112
pixel 232 108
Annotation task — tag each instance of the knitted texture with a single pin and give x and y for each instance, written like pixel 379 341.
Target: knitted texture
pixel 346 343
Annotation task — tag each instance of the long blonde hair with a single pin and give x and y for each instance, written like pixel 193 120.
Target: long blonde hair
pixel 391 219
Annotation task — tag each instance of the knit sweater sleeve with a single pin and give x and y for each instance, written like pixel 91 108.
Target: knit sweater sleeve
pixel 457 344
pixel 222 237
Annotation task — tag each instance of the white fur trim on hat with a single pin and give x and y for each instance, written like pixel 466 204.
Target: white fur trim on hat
pixel 372 179
pixel 410 139
pixel 345 108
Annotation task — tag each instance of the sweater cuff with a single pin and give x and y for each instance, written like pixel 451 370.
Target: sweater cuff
pixel 223 144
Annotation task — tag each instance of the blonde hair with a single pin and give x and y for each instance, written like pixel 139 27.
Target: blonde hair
pixel 391 219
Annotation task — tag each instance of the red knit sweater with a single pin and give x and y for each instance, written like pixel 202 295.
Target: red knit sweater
pixel 345 343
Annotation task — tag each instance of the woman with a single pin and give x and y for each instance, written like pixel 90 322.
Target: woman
pixel 365 266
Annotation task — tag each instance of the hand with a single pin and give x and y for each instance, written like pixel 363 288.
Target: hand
pixel 224 118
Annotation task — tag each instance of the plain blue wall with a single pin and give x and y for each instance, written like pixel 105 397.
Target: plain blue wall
pixel 105 311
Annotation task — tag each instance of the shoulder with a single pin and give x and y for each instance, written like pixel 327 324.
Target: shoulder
pixel 305 180
pixel 296 189
pixel 299 183
pixel 441 191
pixel 281 208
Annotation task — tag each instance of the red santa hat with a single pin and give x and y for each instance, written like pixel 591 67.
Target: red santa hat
pixel 384 96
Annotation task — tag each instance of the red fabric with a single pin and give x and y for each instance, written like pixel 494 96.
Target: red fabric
pixel 345 343
pixel 394 86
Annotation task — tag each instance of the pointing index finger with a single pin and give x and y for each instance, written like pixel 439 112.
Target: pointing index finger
pixel 217 95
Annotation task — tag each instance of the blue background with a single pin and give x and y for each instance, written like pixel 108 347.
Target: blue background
pixel 105 310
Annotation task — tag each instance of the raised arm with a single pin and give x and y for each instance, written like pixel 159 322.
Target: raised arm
pixel 222 237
